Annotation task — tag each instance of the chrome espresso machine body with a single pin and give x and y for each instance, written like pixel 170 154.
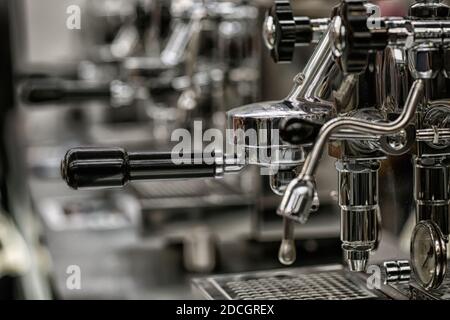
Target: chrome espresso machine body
pixel 375 88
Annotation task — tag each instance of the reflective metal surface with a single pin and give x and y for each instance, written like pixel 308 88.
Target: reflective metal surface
pixel 317 283
pixel 358 199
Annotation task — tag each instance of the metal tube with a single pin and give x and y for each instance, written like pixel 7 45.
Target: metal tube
pixel 431 191
pixel 407 115
pixel 296 197
pixel 358 199
pixel 308 82
pixel 287 252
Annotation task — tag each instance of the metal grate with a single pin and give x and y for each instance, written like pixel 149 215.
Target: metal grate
pixel 313 286
pixel 175 195
pixel 185 188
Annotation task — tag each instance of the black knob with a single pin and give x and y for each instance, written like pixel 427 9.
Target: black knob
pixel 51 90
pixel 114 167
pixel 353 40
pixel 282 31
pixel 298 131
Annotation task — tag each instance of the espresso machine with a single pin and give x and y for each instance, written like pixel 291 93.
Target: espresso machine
pixel 375 89
pixel 151 67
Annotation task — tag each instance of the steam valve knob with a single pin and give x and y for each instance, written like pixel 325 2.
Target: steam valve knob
pixel 282 31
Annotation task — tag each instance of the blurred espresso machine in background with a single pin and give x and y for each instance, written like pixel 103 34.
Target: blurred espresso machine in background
pixel 375 89
pixel 140 74
pixel 148 164
pixel 150 69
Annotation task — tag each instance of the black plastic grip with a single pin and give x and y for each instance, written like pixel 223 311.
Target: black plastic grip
pixel 288 31
pixel 114 167
pixel 298 131
pixel 53 90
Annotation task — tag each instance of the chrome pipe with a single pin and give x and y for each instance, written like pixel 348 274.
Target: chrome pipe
pixel 431 191
pixel 358 200
pixel 309 82
pixel 297 194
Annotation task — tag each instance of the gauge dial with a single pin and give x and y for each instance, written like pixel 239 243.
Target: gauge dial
pixel 428 254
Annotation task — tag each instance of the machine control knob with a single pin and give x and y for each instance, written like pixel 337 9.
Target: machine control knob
pixel 352 39
pixel 282 31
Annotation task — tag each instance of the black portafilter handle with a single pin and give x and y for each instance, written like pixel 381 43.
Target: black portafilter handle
pixel 114 167
pixel 55 90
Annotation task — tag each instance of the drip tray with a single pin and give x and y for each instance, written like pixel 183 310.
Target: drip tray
pixel 309 283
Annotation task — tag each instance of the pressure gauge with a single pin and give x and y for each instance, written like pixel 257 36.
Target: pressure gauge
pixel 428 254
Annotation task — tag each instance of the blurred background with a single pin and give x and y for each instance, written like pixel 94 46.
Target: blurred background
pixel 132 73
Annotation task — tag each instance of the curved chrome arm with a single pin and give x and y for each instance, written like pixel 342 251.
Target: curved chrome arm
pixel 309 82
pixel 296 201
